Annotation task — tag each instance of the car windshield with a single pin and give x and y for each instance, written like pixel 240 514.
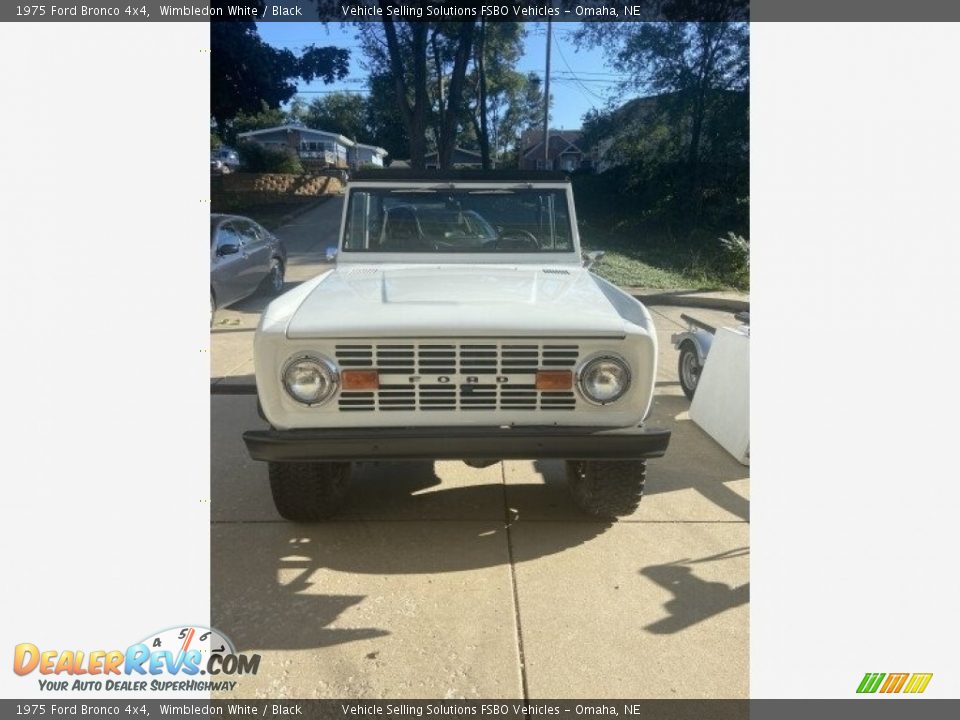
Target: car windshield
pixel 457 221
pixel 213 229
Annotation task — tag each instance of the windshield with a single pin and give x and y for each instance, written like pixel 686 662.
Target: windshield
pixel 457 221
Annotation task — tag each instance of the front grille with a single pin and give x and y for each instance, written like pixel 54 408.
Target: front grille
pixel 469 376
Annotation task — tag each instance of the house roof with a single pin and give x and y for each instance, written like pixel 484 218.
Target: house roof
pixel 375 148
pixel 457 149
pixel 559 144
pixel 533 137
pixel 301 129
pixel 510 175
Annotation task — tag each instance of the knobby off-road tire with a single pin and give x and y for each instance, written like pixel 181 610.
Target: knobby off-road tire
pixel 308 492
pixel 606 488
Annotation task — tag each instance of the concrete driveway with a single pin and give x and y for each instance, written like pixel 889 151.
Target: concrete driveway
pixel 441 580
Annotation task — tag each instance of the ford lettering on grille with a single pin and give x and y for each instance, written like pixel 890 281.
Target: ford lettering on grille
pixel 458 380
pixel 457 376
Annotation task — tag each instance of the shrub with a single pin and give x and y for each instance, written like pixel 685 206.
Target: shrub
pixel 735 260
pixel 260 158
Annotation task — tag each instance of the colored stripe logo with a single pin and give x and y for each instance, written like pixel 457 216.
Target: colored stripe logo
pixel 913 683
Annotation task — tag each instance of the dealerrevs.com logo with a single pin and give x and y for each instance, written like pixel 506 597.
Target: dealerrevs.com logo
pixel 892 683
pixel 181 659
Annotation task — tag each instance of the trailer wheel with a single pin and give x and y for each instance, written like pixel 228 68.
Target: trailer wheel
pixel 689 369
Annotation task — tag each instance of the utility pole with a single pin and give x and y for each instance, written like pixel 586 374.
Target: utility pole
pixel 546 100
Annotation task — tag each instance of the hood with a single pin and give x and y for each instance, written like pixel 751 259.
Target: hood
pixel 456 301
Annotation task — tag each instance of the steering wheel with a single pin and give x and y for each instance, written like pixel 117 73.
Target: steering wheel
pixel 516 240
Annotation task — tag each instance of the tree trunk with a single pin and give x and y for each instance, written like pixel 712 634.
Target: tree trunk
pixel 711 40
pixel 418 129
pixel 475 120
pixel 484 132
pixel 414 118
pixel 691 191
pixel 455 94
pixel 438 68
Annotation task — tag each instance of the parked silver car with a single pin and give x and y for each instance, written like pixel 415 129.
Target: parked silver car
pixel 244 258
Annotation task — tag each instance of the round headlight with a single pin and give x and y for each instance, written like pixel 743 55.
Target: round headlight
pixel 604 380
pixel 310 380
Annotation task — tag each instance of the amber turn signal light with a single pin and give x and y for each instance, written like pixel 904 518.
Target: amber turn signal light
pixel 554 379
pixel 360 379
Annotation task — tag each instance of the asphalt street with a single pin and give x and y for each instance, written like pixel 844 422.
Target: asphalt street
pixel 442 580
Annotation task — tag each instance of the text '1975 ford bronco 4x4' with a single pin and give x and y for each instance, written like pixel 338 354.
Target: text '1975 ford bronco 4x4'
pixel 459 323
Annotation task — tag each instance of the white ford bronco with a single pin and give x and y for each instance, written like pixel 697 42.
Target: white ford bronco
pixel 458 323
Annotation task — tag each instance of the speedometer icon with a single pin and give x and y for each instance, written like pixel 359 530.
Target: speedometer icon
pixel 181 639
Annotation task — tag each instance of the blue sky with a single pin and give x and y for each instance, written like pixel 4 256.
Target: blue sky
pixel 580 80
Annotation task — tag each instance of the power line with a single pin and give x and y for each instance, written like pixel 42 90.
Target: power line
pixel 592 81
pixel 584 88
pixel 331 92
pixel 598 74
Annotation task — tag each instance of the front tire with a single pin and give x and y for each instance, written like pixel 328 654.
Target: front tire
pixel 607 488
pixel 273 283
pixel 689 369
pixel 309 492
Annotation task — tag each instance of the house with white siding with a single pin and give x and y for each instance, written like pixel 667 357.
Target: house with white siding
pixel 364 154
pixel 318 147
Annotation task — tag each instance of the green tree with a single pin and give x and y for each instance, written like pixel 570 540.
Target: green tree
pixel 427 64
pixel 519 107
pixel 690 61
pixel 498 87
pixel 699 74
pixel 381 117
pixel 246 72
pixel 265 117
pixel 297 111
pixel 339 112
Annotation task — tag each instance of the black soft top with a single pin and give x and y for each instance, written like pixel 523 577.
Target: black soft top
pixel 492 176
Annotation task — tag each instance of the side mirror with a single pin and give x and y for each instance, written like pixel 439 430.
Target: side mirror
pixel 227 249
pixel 592 258
pixel 331 253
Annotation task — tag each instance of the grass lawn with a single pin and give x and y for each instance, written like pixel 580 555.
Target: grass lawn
pixel 658 265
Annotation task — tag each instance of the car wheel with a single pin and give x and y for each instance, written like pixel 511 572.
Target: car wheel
pixel 273 283
pixel 309 492
pixel 689 369
pixel 606 488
